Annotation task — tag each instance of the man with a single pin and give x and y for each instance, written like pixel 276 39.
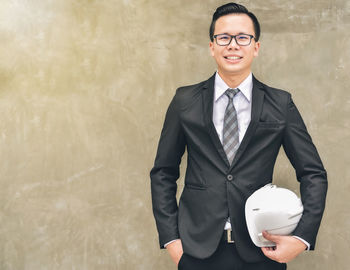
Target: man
pixel 233 127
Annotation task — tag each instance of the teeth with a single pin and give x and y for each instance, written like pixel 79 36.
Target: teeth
pixel 233 57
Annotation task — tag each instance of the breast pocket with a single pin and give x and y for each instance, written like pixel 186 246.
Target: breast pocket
pixel 272 124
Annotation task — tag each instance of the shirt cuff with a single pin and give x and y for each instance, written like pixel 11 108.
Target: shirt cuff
pixel 170 242
pixel 302 240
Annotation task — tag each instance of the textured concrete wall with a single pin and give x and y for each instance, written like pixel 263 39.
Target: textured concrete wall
pixel 84 86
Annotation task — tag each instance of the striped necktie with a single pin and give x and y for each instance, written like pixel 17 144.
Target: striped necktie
pixel 230 138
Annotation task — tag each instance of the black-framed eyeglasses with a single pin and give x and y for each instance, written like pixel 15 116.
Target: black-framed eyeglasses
pixel 241 39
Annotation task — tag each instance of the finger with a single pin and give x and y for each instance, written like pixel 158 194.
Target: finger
pixel 271 237
pixel 267 249
pixel 269 253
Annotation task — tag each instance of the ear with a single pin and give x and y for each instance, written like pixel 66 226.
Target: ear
pixel 256 48
pixel 211 47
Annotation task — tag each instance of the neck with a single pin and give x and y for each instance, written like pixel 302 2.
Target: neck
pixel 233 80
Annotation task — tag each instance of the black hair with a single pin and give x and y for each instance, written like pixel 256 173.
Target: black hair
pixel 230 8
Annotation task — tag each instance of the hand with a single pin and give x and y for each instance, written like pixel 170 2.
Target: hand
pixel 175 250
pixel 286 249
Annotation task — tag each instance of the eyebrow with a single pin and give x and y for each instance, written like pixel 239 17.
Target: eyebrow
pixel 240 33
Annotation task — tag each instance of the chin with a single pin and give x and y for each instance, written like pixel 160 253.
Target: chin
pixel 234 71
pixel 233 68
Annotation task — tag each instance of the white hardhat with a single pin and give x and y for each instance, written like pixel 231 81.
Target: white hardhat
pixel 272 209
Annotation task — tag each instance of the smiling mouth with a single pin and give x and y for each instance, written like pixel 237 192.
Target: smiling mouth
pixel 233 57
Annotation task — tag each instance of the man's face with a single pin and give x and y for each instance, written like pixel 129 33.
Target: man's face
pixel 234 59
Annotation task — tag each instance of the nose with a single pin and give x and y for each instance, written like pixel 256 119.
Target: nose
pixel 233 44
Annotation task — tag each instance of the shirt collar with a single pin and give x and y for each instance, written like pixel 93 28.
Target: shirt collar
pixel 245 87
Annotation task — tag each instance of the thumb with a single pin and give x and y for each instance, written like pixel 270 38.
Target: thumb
pixel 271 237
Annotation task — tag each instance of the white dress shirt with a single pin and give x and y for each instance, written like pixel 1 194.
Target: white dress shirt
pixel 241 101
pixel 243 105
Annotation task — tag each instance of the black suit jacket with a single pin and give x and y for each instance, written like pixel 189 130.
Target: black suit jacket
pixel 215 190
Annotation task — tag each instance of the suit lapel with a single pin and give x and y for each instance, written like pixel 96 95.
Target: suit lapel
pixel 208 99
pixel 257 103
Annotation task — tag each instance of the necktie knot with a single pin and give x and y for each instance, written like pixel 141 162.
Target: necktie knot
pixel 231 92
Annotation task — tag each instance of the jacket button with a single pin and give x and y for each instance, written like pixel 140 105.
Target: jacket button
pixel 229 177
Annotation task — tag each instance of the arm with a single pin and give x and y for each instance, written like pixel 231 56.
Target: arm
pixel 310 173
pixel 164 175
pixel 303 155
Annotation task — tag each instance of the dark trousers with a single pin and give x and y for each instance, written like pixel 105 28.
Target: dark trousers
pixel 226 258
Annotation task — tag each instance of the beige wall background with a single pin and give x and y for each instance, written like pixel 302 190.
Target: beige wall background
pixel 84 86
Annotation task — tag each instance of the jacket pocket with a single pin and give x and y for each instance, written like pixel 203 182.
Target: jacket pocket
pixel 273 124
pixel 195 186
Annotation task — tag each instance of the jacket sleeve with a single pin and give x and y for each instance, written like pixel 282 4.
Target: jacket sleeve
pixel 310 172
pixel 164 175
